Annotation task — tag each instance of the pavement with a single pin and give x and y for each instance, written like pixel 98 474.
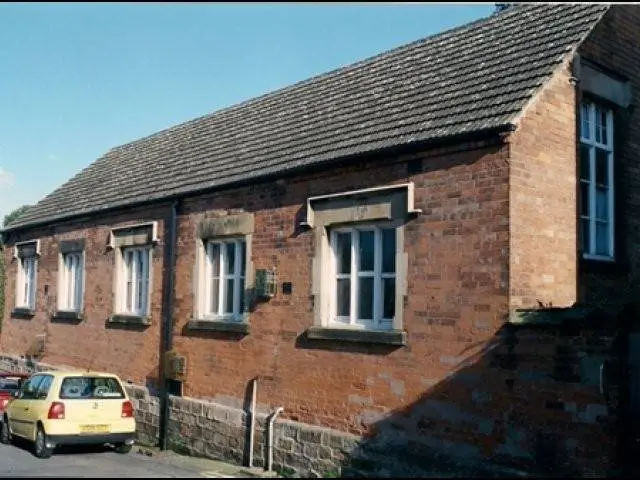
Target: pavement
pixel 205 466
pixel 18 461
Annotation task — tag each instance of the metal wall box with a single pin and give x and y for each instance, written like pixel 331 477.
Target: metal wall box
pixel 266 283
pixel 175 366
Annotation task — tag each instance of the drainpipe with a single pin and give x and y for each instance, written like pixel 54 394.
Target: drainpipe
pixel 166 341
pixel 270 439
pixel 252 423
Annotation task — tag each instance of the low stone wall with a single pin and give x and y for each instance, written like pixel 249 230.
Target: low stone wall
pixel 531 403
pixel 208 429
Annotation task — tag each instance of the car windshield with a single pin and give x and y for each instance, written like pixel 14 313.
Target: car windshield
pixel 91 387
pixel 10 384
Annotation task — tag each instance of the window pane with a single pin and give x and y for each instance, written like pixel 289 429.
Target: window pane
pixel 241 295
pixel 343 294
pixel 584 199
pixel 243 259
pixel 128 259
pixel 28 290
pixel 602 203
pixel 32 282
pixel 602 167
pixel 603 126
pixel 214 249
pixel 602 238
pixel 30 387
pixel 343 252
pixel 68 282
pixel 90 387
pixel 44 386
pixel 231 258
pixel 128 263
pixel 365 298
pixel 388 250
pixel 584 235
pixel 215 290
pixel 129 307
pixel 73 281
pixel 78 288
pixel 25 292
pixel 389 297
pixel 366 250
pixel 598 118
pixel 585 164
pixel 139 299
pixel 140 277
pixel 228 296
pixel 585 120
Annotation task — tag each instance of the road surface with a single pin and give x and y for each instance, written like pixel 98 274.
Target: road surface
pixel 17 460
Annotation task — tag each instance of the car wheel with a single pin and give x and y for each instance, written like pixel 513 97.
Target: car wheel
pixel 40 448
pixel 123 448
pixel 5 434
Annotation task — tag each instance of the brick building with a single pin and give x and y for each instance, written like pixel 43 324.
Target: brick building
pixel 430 250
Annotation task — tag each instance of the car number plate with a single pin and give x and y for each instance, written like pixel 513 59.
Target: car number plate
pixel 94 428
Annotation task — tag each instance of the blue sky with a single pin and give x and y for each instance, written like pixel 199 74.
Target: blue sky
pixel 79 79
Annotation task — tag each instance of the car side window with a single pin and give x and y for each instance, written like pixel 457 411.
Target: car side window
pixel 44 386
pixel 30 387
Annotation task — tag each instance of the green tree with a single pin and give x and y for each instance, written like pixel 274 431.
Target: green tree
pixel 13 215
pixel 8 218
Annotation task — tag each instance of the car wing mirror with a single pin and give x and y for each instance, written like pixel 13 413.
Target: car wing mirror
pixel 15 394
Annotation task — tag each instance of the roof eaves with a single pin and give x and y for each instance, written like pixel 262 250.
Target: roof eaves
pixel 500 129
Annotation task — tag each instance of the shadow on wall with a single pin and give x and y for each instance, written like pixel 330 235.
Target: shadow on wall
pixel 527 401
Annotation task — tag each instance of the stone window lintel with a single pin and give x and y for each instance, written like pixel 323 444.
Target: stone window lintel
pixel 373 203
pixel 133 235
pixel 30 246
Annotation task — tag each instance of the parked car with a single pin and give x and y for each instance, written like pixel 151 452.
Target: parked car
pixel 9 384
pixel 70 407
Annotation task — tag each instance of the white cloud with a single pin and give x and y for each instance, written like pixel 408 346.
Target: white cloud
pixel 6 178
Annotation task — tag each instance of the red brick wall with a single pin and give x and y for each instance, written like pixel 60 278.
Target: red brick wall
pixel 457 294
pixel 543 199
pixel 615 44
pixel 132 354
pixel 451 302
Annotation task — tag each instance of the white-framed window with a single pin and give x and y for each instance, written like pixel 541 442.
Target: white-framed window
pixel 363 277
pixel 134 281
pixel 71 281
pixel 224 279
pixel 26 285
pixel 596 181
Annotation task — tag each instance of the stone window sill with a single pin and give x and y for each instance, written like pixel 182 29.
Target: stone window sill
pixel 125 319
pixel 67 316
pixel 389 337
pixel 23 312
pixel 218 326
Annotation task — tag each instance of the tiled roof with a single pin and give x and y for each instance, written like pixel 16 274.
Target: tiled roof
pixel 475 77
